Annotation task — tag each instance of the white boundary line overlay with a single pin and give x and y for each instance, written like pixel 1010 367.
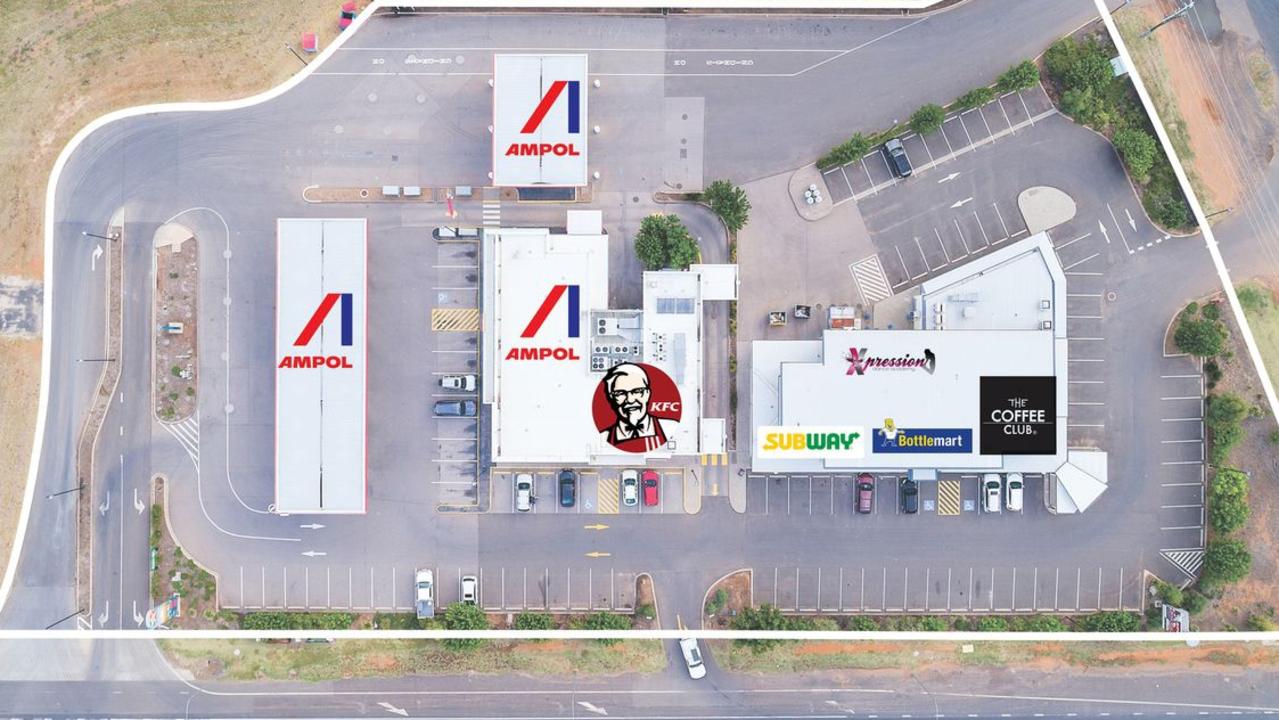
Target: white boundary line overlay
pixel 1210 240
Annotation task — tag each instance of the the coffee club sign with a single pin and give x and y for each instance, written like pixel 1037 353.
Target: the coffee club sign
pixel 1019 415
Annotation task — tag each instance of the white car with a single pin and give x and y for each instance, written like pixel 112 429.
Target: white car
pixel 1013 491
pixel 692 658
pixel 468 589
pixel 425 598
pixel 991 490
pixel 523 492
pixel 630 488
pixel 464 383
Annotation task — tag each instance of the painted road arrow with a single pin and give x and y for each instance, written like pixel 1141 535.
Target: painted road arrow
pixel 588 707
pixel 314 553
pixel 1131 222
pixel 961 203
pixel 97 253
pixel 312 526
pixel 392 709
pixel 598 554
pixel 105 506
pixel 137 617
pixel 948 178
pixel 137 504
pixel 1104 231
pixel 596 526
pixel 106 613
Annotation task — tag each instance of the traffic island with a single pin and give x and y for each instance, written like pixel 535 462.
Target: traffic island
pixel 183 594
pixel 725 599
pixel 174 323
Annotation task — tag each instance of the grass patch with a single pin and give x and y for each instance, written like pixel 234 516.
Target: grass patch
pixel 324 662
pixel 1263 79
pixel 1263 318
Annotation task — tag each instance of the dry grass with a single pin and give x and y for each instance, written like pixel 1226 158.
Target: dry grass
pixel 65 62
pixel 320 662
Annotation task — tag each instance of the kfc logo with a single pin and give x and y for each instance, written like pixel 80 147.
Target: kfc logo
pixel 633 405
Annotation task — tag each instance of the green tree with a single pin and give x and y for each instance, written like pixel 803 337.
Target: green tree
pixel 764 617
pixel 1085 106
pixel 851 150
pixel 1170 594
pixel 1111 621
pixel 862 623
pixel 603 621
pixel 1138 150
pixel 1023 75
pixel 534 621
pixel 464 616
pixel 1253 298
pixel 1228 506
pixel 1168 208
pixel 927 119
pixel 1061 56
pixel 992 624
pixel 664 242
pixel 1193 602
pixel 975 98
pixel 1223 417
pixel 1091 71
pixel 1225 561
pixel 1200 336
pixel 729 202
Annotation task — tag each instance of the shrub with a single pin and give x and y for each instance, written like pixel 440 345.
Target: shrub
pixel 824 624
pixel 1274 437
pixel 1228 507
pixel 729 202
pixel 717 602
pixel 764 617
pixel 851 150
pixel 927 119
pixel 992 624
pixel 1222 418
pixel 1193 601
pixel 1225 561
pixel 1110 621
pixel 1200 336
pixel 664 242
pixel 1023 75
pixel 534 621
pixel 1085 107
pixel 646 611
pixel 464 616
pixel 1253 298
pixel 1212 311
pixel 862 623
pixel 1061 56
pixel 1038 623
pixel 975 98
pixel 296 621
pixel 1091 71
pixel 1262 623
pixel 1167 207
pixel 1170 594
pixel 1139 151
pixel 1213 372
pixel 933 624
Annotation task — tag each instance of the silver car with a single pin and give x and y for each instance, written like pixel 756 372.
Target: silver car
pixel 523 492
pixel 992 488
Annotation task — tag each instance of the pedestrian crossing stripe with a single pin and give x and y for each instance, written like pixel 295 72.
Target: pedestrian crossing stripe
pixel 492 214
pixel 455 319
pixel 871 281
pixel 715 459
pixel 1187 561
pixel 947 497
pixel 608 496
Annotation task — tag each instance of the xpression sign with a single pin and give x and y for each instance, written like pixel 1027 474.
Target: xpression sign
pixel 539 120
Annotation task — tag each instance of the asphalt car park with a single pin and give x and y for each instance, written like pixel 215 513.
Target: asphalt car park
pixel 454 319
pixel 816 495
pixel 582 588
pixel 598 491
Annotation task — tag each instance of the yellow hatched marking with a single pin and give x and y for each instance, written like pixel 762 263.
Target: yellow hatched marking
pixel 948 497
pixel 608 496
pixel 455 319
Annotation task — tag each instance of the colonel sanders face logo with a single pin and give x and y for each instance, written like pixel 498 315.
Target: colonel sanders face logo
pixel 631 404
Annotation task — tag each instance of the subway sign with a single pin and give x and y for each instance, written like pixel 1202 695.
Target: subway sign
pixel 922 440
pixel 824 442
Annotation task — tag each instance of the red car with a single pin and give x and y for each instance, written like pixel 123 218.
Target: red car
pixel 649 483
pixel 865 493
pixel 347 16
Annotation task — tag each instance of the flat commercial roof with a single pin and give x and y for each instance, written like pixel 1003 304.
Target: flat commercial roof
pixel 320 348
pixel 539 120
pixel 992 343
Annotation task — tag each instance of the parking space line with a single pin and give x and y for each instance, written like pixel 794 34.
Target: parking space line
pixel 943 246
pixel 989 132
pixel 869 179
pixel 1122 236
pixel 1181 376
pixel 1007 119
pixel 931 159
pixel 948 145
pixel 1181 419
pixel 925 257
pixel 1001 217
pixel 964 125
pixel 847 182
pixel 961 236
pixel 1024 107
pixel 1071 242
pixel 1182 462
pixel 1081 273
pixel 1183 397
pixel 982 227
pixel 1176 442
pixel 1081 262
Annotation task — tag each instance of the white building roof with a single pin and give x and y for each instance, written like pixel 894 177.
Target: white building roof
pixel 539 120
pixel 320 411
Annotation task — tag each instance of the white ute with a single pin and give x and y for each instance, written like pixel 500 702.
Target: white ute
pixel 463 383
pixel 692 658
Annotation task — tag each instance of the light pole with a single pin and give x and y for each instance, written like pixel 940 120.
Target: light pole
pixel 295 54
pixel 1175 14
pixel 112 237
pixel 51 496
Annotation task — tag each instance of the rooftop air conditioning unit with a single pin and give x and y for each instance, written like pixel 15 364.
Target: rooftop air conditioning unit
pixel 1046 325
pixel 1045 304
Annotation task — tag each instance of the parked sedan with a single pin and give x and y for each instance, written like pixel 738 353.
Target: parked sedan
pixel 910 496
pixel 630 488
pixel 523 492
pixel 991 490
pixel 865 493
pixel 455 408
pixel 469 585
pixel 650 488
pixel 1013 492
pixel 568 488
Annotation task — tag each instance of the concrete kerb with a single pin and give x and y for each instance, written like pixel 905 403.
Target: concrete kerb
pixel 50 217
pixel 800 181
pixel 657 612
pixel 157 243
pixel 750 574
pixel 168 526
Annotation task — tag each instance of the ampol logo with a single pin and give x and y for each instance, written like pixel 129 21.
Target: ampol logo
pixel 534 122
pixel 574 293
pixel 633 404
pixel 313 325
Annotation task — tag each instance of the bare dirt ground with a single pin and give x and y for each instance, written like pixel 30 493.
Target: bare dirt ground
pixel 737 597
pixel 177 285
pixel 63 64
pixel 1189 74
pixel 1255 454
